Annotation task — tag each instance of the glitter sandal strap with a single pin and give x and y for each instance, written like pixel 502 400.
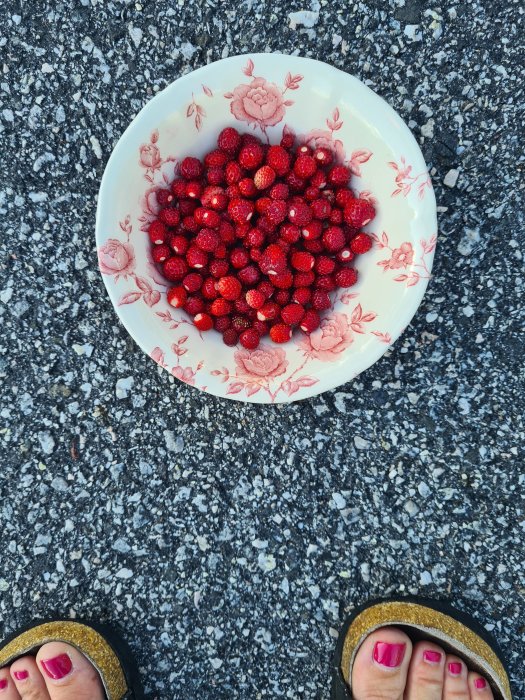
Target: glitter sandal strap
pixel 454 630
pixel 100 644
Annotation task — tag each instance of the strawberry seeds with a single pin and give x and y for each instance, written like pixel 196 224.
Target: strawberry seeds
pixel 254 237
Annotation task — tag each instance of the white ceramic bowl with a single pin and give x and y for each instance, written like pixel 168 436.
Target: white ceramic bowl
pixel 266 93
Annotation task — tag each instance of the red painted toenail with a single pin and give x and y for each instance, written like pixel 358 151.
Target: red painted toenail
pixel 3 683
pixel 431 656
pixel 390 655
pixel 455 668
pixel 21 675
pixel 58 667
pixel 480 683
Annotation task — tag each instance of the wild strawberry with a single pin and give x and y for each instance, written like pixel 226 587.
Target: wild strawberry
pixel 301 295
pixel 230 337
pixel 229 287
pixel 300 213
pixel 226 232
pixel 233 173
pixel 311 194
pixel 312 230
pixel 302 261
pixel 255 254
pixel 266 287
pixel 192 282
pixel 294 182
pixel 217 201
pixel 220 307
pixel 345 255
pixel 179 244
pixel 269 311
pixel 242 306
pixel 203 321
pixel 207 239
pixel 280 333
pixel 164 197
pixel 229 140
pixel 169 216
pixel 268 226
pixel 273 260
pixel 251 156
pixel 193 189
pixel 219 268
pixel 209 288
pixel 233 192
pixel 324 265
pixel 321 300
pixel 343 196
pixel 303 279
pixel 216 159
pixel 278 159
pixel 264 177
pixel 333 239
pixel 222 323
pixel 178 188
pixel 215 176
pixel 319 180
pixel 360 244
pixel 254 237
pixel 358 212
pixel 241 230
pixel 316 246
pixel 207 217
pixel 310 321
pixel 157 232
pixel 283 280
pixel 189 224
pixel 241 210
pixel 249 339
pixel 239 257
pixel 191 168
pixel 277 211
pixel 338 175
pixel 261 327
pixel 196 257
pixel 255 298
pixel 323 156
pixel 279 191
pixel 194 305
pixel 282 297
pixel 177 296
pixel 220 251
pixel 287 140
pixel 249 139
pixel 326 283
pixel 346 277
pixel 290 233
pixel 292 314
pixel 174 269
pixel 240 323
pixel 304 166
pixel 160 253
pixel 247 187
pixel 249 275
pixel 262 204
pixel 187 207
pixel 321 209
pixel 336 216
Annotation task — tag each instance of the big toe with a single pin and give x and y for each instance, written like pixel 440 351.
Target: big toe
pixel 68 674
pixel 381 665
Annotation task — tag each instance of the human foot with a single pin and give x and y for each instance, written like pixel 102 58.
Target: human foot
pixel 388 666
pixel 58 672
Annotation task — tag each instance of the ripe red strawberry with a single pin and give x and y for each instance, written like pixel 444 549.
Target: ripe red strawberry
pixel 287 140
pixel 273 260
pixel 240 323
pixel 221 251
pixel 311 194
pixel 226 232
pixel 216 158
pixel 193 189
pixel 247 187
pixel 215 176
pixel 266 287
pixel 314 247
pixel 254 238
pixel 312 230
pixel 321 300
pixel 241 210
pixel 299 213
pixel 169 216
pixel 209 288
pixel 179 244
pixel 178 188
pixel 229 140
pixel 160 253
pixel 255 254
pixel 336 216
pixel 358 212
pixel 249 339
pixel 233 173
pixel 360 244
pixel 321 208
pixel 191 168
pixel 324 265
pixel 194 305
pixel 292 314
pixel 229 287
pixel 262 204
pixel 310 321
pixel 282 297
pixel 196 257
pixel 338 175
pixel 303 279
pixel 301 295
pixel 302 261
pixel 326 283
pixel 323 156
pixel 294 182
pixel 283 280
pixel 189 224
pixel 333 239
pixel 249 275
pixel 242 306
pixel 264 177
pixel 345 254
pixel 164 197
pixel 239 258
pixel 343 196
pixel 207 239
pixel 280 333
pixel 203 321
pixel 207 217
pixel 278 159
pixel 249 139
pixel 219 268
pixel 177 296
pixel 233 192
pixel 230 337
pixel 269 311
pixel 319 180
pixel 157 232
pixel 174 269
pixel 261 327
pixel 192 282
pixel 216 200
pixel 241 230
pixel 220 307
pixel 346 277
pixel 276 211
pixel 255 299
pixel 304 166
pixel 279 191
pixel 222 323
pixel 251 156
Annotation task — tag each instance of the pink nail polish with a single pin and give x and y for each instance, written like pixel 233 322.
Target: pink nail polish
pixel 3 683
pixel 431 656
pixel 390 655
pixel 21 675
pixel 480 683
pixel 58 667
pixel 455 668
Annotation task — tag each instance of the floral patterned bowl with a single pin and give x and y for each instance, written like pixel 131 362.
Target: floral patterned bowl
pixel 269 94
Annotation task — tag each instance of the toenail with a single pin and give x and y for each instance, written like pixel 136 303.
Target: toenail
pixel 455 668
pixel 390 655
pixel 58 667
pixel 480 683
pixel 21 675
pixel 3 683
pixel 431 656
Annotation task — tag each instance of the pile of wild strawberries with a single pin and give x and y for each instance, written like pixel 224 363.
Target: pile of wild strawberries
pixel 256 237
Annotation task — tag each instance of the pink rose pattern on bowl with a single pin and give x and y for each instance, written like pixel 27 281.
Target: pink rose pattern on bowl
pixel 271 371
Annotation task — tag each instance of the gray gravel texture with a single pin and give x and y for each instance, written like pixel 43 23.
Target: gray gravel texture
pixel 229 540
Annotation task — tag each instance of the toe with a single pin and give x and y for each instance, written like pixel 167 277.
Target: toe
pixel 8 689
pixel 68 674
pixel 381 665
pixel 27 679
pixel 456 674
pixel 478 686
pixel 426 672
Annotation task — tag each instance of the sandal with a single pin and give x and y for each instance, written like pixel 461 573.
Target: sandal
pixel 456 631
pixel 101 645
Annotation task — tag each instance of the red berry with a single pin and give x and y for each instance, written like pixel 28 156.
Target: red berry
pixel 178 188
pixel 311 194
pixel 255 298
pixel 321 209
pixel 193 189
pixel 314 247
pixel 196 257
pixel 255 254
pixel 323 156
pixel 283 280
pixel 174 269
pixel 249 339
pixel 266 287
pixel 251 156
pixel 264 177
pixel 261 327
pixel 240 323
pixel 304 150
pixel 287 140
pixel 249 275
pixel 160 253
pixel 338 175
pixel 280 333
pixel 169 216
pixel 278 159
pixel 345 255
pixel 290 233
pixel 194 305
pixel 229 287
pixel 334 238
pixel 177 296
pixel 189 224
pixel 321 300
pixel 247 187
pixel 191 168
pixel 192 282
pixel 300 213
pixel 229 140
pixel 346 277
pixel 326 283
pixel 241 210
pixel 216 200
pixel 302 295
pixel 312 230
pixel 336 216
pixel 226 232
pixel 360 244
pixel 164 197
pixel 219 268
pixel 207 217
pixel 215 159
pixel 233 192
pixel 304 166
pixel 222 323
pixel 242 306
pixel 276 211
pixel 215 176
pixel 254 238
pixel 302 261
pixel 343 196
pixel 157 232
pixel 233 173
pixel 239 258
pixel 220 307
pixel 294 182
pixel 273 260
pixel 282 297
pixel 303 279
pixel 221 251
pixel 280 191
pixel 179 244
pixel 187 207
pixel 241 230
pixel 207 239
pixel 269 311
pixel 203 321
pixel 324 265
pixel 310 321
pixel 318 180
pixel 292 314
pixel 230 337
pixel 358 212
pixel 209 288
